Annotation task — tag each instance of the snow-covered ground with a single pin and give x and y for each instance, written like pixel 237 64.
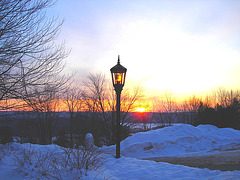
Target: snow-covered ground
pixel 178 140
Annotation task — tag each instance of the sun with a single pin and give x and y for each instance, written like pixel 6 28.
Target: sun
pixel 140 109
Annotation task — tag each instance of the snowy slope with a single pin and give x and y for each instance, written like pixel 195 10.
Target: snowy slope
pixel 177 140
pixel 180 140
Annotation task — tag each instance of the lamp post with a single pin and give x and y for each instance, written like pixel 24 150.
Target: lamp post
pixel 118 73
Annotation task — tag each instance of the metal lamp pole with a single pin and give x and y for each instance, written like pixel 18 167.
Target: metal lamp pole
pixel 118 92
pixel 118 78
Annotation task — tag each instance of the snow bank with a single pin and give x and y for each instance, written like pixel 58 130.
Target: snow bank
pixel 170 141
pixel 178 140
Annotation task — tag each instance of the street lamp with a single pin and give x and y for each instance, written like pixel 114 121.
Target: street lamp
pixel 118 78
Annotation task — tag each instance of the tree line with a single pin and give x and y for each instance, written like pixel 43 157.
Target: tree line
pixel 221 108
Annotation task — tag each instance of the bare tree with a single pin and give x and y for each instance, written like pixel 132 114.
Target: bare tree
pixel 224 98
pixel 29 58
pixel 188 110
pixel 45 107
pixel 166 108
pixel 72 99
pixel 99 97
pixel 169 106
pixel 95 97
pixel 129 100
pixel 158 109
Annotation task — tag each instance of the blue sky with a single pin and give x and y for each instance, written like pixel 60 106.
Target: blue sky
pixel 185 46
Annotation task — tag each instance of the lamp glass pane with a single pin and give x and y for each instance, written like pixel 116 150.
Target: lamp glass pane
pixel 118 78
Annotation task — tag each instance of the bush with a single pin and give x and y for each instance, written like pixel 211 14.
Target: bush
pixel 5 135
pixel 83 159
pixel 57 162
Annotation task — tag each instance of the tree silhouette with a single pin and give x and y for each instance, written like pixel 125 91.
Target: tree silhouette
pixel 29 58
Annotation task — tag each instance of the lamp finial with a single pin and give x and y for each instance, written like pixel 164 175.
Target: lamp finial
pixel 118 59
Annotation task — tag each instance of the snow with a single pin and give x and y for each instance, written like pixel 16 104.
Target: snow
pixel 177 140
pixel 131 168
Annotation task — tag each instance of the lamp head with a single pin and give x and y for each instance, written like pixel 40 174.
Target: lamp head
pixel 118 73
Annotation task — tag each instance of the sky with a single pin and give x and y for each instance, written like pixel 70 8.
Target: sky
pixel 183 46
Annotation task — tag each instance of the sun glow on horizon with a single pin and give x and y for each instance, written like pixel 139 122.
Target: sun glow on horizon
pixel 140 109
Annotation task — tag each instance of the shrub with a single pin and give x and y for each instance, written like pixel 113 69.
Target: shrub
pixel 56 162
pixel 5 135
pixel 83 159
